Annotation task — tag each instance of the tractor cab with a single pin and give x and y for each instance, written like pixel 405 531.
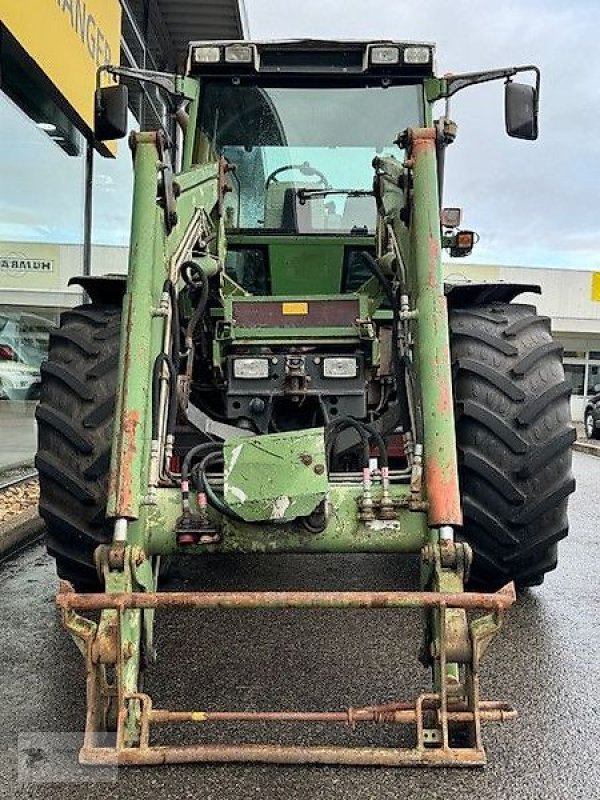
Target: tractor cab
pixel 299 129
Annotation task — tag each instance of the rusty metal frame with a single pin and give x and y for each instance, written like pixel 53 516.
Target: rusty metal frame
pixel 433 716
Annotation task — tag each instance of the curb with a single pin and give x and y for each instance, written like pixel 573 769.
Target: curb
pixel 20 530
pixel 587 447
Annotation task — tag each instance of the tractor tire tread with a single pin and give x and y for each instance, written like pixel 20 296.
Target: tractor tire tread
pixel 514 438
pixel 75 417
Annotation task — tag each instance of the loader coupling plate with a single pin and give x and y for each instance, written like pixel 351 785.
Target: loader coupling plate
pixel 444 726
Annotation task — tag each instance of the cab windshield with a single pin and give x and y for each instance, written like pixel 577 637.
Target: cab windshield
pixel 303 155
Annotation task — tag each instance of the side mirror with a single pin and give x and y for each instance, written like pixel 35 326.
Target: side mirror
pixel 520 110
pixel 110 112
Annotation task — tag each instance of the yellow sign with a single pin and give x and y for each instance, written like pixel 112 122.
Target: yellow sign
pixel 596 287
pixel 294 308
pixel 68 40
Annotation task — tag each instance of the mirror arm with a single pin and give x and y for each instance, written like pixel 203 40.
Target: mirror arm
pixel 173 84
pixel 454 83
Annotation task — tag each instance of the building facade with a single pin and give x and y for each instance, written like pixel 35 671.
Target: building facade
pixel 65 199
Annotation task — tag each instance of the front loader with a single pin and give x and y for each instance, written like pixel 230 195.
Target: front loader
pixel 283 370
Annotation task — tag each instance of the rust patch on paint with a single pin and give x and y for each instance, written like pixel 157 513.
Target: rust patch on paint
pixel 434 259
pixel 129 425
pixel 444 403
pixel 442 493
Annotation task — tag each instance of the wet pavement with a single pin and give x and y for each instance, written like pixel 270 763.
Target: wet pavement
pixel 547 663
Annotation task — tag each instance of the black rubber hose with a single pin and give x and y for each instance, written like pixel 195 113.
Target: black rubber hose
pixel 163 358
pixel 399 366
pixel 175 324
pixel 337 426
pixel 199 449
pixel 366 432
pixel 381 446
pixel 203 485
pixel 202 284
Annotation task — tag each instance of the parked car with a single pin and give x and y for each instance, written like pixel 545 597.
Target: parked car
pixel 591 416
pixel 23 347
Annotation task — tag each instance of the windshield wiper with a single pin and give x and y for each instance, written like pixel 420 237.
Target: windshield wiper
pixel 306 194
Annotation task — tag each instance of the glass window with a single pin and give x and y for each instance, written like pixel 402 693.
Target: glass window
pixel 594 355
pixel 42 164
pixel 575 373
pixel 593 379
pixel 248 267
pixel 303 156
pixel 111 208
pixel 42 192
pixel 574 354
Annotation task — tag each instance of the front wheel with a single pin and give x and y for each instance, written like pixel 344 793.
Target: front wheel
pixel 75 420
pixel 514 437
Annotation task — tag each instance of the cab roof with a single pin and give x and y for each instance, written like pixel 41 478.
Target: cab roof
pixel 312 57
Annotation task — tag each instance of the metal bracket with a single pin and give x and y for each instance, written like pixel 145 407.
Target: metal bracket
pixel 440 719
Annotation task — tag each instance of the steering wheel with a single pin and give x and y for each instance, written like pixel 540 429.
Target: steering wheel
pixel 304 168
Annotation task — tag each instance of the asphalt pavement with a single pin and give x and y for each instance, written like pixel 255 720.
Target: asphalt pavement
pixel 547 663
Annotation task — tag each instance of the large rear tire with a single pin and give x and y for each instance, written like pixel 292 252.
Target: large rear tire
pixel 514 437
pixel 75 420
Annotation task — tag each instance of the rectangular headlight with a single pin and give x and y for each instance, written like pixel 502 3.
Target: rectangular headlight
pixel 207 55
pixel 250 368
pixel 238 54
pixel 417 55
pixel 340 367
pixel 385 55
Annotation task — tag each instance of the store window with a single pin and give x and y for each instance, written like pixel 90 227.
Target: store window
pixel 575 374
pixel 593 377
pixel 41 218
pixel 111 215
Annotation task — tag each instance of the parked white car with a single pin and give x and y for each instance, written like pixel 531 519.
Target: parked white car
pixel 23 347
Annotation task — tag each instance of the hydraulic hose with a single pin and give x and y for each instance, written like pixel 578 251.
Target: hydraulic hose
pixel 169 287
pixel 202 284
pixel 399 365
pixel 203 485
pixel 337 426
pixel 199 449
pixel 381 446
pixel 163 358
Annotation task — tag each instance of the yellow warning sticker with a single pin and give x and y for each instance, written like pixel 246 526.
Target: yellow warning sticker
pixel 294 308
pixel 198 716
pixel 596 287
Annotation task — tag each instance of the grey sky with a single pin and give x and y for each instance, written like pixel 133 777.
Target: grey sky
pixel 533 203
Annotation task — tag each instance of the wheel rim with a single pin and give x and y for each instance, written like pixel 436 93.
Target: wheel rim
pixel 589 426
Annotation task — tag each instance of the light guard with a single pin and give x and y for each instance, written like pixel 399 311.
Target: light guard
pixel 207 55
pixel 385 55
pixel 417 55
pixel 340 367
pixel 250 368
pixel 239 54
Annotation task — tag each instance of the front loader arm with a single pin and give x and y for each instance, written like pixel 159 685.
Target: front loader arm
pixel 408 204
pixel 158 244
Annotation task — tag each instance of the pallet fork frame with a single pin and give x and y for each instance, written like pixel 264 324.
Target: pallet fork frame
pixel 116 647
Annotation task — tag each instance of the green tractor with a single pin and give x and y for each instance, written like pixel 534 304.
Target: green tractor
pixel 284 370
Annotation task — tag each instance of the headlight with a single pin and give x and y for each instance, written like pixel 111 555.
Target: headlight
pixel 385 55
pixel 238 54
pixel 340 367
pixel 207 55
pixel 250 368
pixel 417 55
